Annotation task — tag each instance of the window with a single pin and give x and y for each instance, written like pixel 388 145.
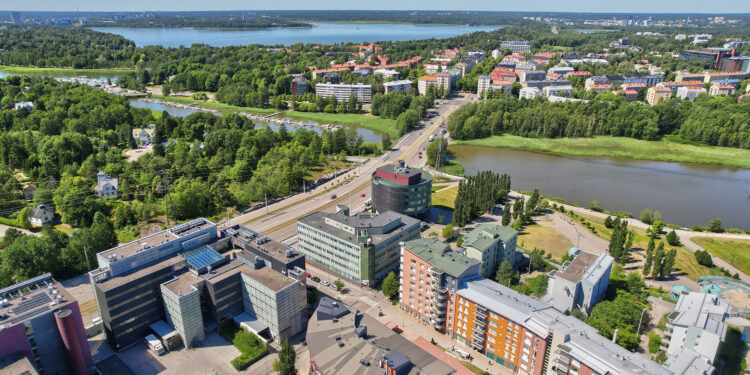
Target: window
pixel 494 316
pixel 421 265
pixel 490 339
pixel 491 331
pixel 413 261
pixel 493 323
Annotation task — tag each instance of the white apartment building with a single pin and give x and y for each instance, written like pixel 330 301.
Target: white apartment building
pixel 387 73
pixel 697 323
pixel 402 85
pixel 529 93
pixel 343 91
pixel 516 46
pixel 557 91
pixel 690 92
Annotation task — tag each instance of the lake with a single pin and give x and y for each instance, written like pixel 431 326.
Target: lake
pixel 367 134
pixel 322 33
pixel 686 194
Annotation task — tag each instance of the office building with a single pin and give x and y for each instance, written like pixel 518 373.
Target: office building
pixel 547 82
pixel 430 276
pixel 516 46
pixel 534 75
pixel 690 92
pixel 697 323
pixel 724 76
pixel 491 244
pixel 656 94
pixel 191 276
pixel 712 56
pixel 581 283
pixel 402 85
pixel 341 340
pixel 736 64
pixel 343 91
pixel 299 85
pixel 41 330
pixel 401 189
pixel 527 336
pixel 363 248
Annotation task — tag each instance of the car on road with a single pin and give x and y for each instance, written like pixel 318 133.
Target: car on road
pixel 316 279
pixel 325 283
pixel 420 156
pixel 333 196
pixel 362 195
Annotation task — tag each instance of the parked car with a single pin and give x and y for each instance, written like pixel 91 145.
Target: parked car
pixel 325 283
pixel 316 279
pixel 333 196
pixel 362 195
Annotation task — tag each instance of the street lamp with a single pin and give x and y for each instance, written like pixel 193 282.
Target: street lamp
pixel 638 331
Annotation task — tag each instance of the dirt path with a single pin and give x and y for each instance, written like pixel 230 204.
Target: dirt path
pixel 134 154
pixel 574 232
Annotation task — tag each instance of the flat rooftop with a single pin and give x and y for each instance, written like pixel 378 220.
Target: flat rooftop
pixel 702 310
pixel 32 298
pixel 264 275
pixel 182 283
pixel 575 271
pixel 317 221
pixel 17 365
pixel 261 243
pixel 114 282
pixel 333 358
pixel 130 248
pixel 438 254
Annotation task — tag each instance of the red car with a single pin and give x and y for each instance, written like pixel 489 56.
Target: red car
pixel 362 195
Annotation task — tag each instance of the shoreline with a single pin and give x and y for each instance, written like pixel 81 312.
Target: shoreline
pixel 35 69
pixel 621 147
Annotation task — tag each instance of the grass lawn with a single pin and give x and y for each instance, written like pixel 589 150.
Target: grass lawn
pixel 735 252
pixel 545 238
pixel 364 120
pixel 35 70
pixel 445 197
pixel 454 168
pixel 213 104
pixel 684 262
pixel 622 147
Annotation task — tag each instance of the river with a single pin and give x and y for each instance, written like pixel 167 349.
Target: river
pixel 686 194
pixel 367 134
pixel 323 33
pixel 65 74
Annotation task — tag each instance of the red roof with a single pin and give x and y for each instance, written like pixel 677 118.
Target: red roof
pixel 631 92
pixel 579 73
pixel 602 86
pixel 726 73
pixel 428 78
pixel 634 85
pixel 553 75
pixel 695 87
pixel 548 55
pixel 662 89
pixel 724 85
pixel 443 74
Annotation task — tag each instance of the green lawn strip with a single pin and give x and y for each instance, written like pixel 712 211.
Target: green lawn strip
pixel 622 147
pixel 733 251
pixel 250 345
pixel 445 197
pixel 364 120
pixel 213 105
pixel 36 70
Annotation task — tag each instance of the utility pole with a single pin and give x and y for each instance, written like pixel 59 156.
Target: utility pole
pixel 86 253
pixel 265 196
pixel 167 200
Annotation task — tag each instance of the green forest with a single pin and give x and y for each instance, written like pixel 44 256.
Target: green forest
pixel 713 121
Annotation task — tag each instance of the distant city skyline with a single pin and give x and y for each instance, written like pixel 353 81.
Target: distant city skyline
pixel 593 6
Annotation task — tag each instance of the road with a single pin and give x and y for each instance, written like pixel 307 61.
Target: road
pixel 278 220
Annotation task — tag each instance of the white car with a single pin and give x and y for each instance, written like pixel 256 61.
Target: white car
pixel 325 283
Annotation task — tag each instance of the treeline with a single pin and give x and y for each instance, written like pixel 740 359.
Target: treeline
pixel 714 121
pixel 59 46
pixel 204 20
pixel 479 194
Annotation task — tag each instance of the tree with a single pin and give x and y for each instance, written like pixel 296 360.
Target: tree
pixel 390 285
pixel 436 151
pixel 649 255
pixel 338 284
pixel 669 262
pixel 506 214
pixel 704 258
pixel 658 266
pixel 460 240
pixel 518 207
pixel 536 261
pixel 386 142
pixel 715 226
pixel 608 222
pixel 448 232
pixel 647 216
pixel 595 206
pixel 285 364
pixel 634 283
pixel 505 274
pixel 673 239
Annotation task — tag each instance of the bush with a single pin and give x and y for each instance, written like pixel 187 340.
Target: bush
pixel 673 239
pixel 715 226
pixel 250 345
pixel 704 258
pixel 654 341
pixel 595 206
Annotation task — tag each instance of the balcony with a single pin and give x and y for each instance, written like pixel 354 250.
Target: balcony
pixel 481 312
pixel 477 346
pixel 480 320
pixel 436 277
pixel 478 335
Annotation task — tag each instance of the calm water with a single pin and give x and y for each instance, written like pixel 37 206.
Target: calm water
pixel 367 134
pixel 686 194
pixel 323 33
pixel 94 75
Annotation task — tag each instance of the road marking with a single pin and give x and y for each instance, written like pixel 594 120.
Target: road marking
pixel 368 301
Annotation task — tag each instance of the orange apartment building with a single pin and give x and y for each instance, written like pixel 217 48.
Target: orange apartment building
pixel 430 275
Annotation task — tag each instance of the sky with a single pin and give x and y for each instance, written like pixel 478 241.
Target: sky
pixel 604 6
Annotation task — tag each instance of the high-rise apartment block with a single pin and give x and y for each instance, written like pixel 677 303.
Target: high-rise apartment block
pixel 516 46
pixel 363 248
pixel 41 330
pixel 191 275
pixel 342 92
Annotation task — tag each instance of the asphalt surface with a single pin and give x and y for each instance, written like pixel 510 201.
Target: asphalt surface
pixel 279 220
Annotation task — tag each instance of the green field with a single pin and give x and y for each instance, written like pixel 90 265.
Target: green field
pixel 68 71
pixel 364 120
pixel 734 252
pixel 622 147
pixel 445 197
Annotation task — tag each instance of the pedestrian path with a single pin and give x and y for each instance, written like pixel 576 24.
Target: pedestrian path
pixel 368 301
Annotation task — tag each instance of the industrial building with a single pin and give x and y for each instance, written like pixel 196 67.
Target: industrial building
pixel 345 341
pixel 362 248
pixel 191 276
pixel 401 189
pixel 581 283
pixel 41 330
pixel 491 244
pixel 430 276
pixel 342 92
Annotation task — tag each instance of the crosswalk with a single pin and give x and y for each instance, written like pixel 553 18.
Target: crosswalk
pixel 368 301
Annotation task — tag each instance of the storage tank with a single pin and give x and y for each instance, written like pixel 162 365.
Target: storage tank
pixel 73 351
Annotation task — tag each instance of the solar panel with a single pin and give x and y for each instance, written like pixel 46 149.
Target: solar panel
pixel 34 301
pixel 201 257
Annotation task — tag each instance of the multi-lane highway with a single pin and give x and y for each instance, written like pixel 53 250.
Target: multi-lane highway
pixel 279 219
